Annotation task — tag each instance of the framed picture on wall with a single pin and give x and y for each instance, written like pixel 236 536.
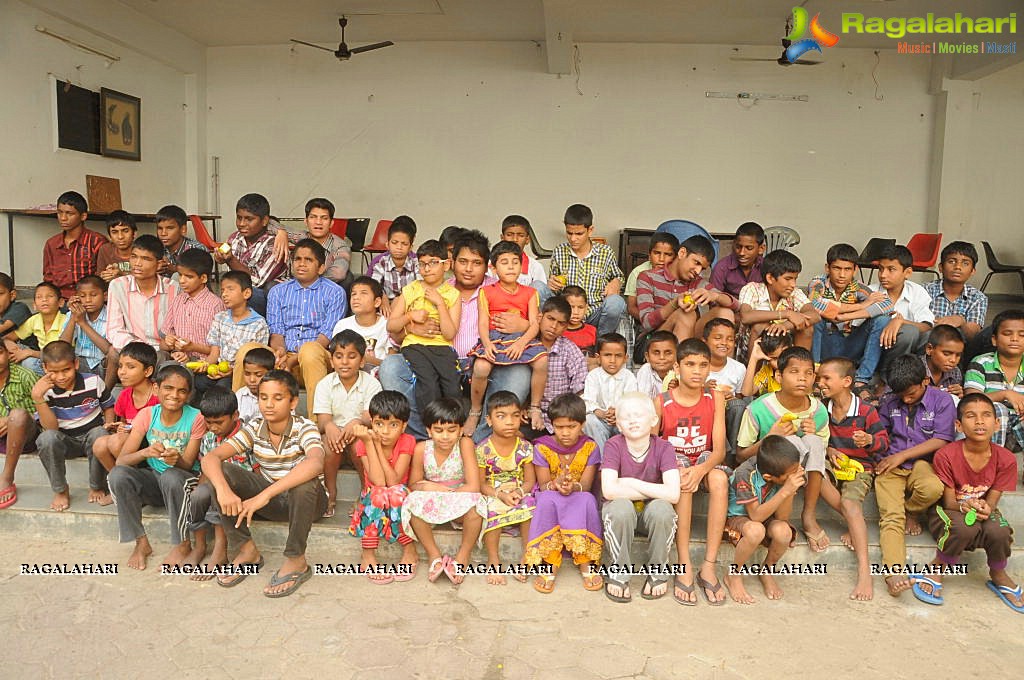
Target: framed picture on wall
pixel 120 126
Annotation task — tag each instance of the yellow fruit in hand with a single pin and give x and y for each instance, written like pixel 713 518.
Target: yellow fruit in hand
pixel 687 299
pixel 223 366
pixel 224 248
pixel 788 418
pixel 559 278
pixel 212 369
pixel 196 365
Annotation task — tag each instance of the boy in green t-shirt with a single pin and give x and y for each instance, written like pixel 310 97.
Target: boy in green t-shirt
pixel 793 413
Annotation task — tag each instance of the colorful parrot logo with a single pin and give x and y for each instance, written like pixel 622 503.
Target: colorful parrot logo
pixel 798 45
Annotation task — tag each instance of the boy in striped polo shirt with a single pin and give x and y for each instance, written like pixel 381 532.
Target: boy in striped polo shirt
pixel 793 413
pixel 288 485
pixel 855 431
pixel 1000 375
pixel 74 409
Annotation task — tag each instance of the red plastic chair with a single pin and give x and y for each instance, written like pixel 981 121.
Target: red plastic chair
pixel 202 235
pixel 339 227
pixel 378 244
pixel 925 249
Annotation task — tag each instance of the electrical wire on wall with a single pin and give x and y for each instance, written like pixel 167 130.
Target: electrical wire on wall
pixel 577 65
pixel 878 60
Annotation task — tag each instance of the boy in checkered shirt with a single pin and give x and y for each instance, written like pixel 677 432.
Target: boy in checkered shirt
pixel 191 312
pixel 567 367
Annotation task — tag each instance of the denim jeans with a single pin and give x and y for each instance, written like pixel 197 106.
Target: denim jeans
pixel 395 374
pixel 862 346
pixel 607 315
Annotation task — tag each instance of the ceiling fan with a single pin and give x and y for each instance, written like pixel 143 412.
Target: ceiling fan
pixel 343 52
pixel 781 60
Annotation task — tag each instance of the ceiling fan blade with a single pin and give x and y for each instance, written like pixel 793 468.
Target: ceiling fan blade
pixel 308 44
pixel 374 46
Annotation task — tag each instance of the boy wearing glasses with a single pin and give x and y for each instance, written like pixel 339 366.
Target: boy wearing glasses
pixel 432 357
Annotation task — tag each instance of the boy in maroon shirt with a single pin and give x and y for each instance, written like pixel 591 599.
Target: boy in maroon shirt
pixel 71 255
pixel 974 473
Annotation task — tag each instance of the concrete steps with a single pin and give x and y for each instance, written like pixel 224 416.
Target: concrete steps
pixel 31 516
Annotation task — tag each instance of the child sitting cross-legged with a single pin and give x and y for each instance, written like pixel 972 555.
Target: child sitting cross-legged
pixel 566 517
pixel 604 386
pixel 693 422
pixel 640 484
pixel 219 408
pixel 760 501
pixel 508 479
pixel 341 403
pixel 856 436
pixel 173 430
pixel 384 452
pixel 793 413
pixel 504 349
pixel 445 483
pixel 135 366
pixel 975 473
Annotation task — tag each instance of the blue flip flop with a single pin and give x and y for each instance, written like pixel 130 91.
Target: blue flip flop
pixel 933 597
pixel 1003 592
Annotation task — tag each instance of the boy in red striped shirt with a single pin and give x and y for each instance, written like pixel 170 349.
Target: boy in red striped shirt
pixel 856 432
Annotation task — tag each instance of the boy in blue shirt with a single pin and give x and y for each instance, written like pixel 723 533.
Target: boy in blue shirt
pixel 86 328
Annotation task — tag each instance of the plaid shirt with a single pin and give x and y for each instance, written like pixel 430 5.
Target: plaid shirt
pixel 187 244
pixel 393 279
pixel 854 293
pixel 230 335
pixel 591 273
pixel 85 348
pixel 258 257
pixel 301 314
pixel 567 373
pixel 972 304
pixel 132 316
pixel 16 391
pixel 190 316
pixel 65 265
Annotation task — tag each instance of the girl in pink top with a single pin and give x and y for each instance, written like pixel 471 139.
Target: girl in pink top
pixel 135 368
pixel 504 349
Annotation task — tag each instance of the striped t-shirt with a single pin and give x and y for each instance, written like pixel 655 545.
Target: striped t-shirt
pixel 985 374
pixel 860 416
pixel 80 409
pixel 276 462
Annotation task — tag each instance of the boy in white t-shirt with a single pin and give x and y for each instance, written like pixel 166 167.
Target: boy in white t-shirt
pixel 365 299
pixel 661 357
pixel 727 376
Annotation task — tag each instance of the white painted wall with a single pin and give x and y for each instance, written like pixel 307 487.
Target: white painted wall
pixel 466 133
pixel 995 200
pixel 35 171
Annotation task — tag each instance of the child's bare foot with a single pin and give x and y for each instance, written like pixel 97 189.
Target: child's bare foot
pixel 496 579
pixel 138 558
pixel 471 422
pixel 61 500
pixel 100 497
pixel 864 590
pixel 218 557
pixel 847 541
pixel 770 586
pixel 736 589
pixel 913 526
pixel 896 584
pixel 179 554
pixel 196 554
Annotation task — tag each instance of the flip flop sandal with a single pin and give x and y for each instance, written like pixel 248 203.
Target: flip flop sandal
pixel 381 579
pixel 544 584
pixel 814 542
pixel 436 568
pixel 402 578
pixel 1004 593
pixel 624 586
pixel 688 589
pixel 329 512
pixel 12 492
pixel 934 597
pixel 649 585
pixel 238 578
pixel 705 586
pixel 449 571
pixel 296 578
pixel 593 582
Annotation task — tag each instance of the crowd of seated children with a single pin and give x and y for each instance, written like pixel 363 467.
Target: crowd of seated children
pixel 694 418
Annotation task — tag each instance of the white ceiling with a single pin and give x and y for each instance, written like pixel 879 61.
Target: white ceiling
pixel 728 22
